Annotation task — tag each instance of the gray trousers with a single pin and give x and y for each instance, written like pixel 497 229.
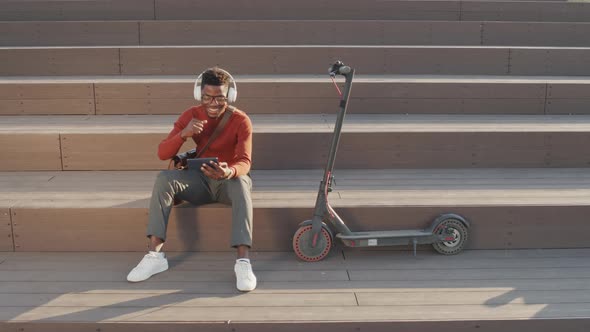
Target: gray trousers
pixel 195 188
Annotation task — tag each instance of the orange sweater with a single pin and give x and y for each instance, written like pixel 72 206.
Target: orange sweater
pixel 233 145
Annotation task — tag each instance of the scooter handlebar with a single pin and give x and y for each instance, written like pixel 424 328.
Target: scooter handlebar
pixel 338 68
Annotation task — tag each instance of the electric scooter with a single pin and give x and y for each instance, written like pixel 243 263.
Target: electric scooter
pixel 313 239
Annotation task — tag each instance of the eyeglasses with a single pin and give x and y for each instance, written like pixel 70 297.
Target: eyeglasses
pixel 219 99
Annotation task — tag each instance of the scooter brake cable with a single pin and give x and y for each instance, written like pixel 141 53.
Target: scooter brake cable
pixel 336 85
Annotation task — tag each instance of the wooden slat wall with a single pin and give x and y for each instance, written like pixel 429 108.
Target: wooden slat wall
pixel 309 33
pixel 6 239
pixel 30 152
pixel 111 152
pixel 294 60
pixel 568 99
pixel 68 33
pixel 535 34
pixel 277 32
pixel 301 60
pixel 119 151
pixel 525 11
pixel 59 61
pixel 79 229
pixel 140 98
pixel 310 98
pixel 208 228
pixel 295 98
pixel 373 10
pixel 548 61
pixel 51 99
pixel 309 9
pixel 76 10
pixel 540 325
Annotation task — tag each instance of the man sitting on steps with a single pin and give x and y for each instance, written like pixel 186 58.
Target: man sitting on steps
pixel 227 182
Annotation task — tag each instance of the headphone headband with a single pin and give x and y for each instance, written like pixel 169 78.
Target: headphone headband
pixel 232 92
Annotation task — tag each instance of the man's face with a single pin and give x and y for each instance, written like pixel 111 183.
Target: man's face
pixel 213 97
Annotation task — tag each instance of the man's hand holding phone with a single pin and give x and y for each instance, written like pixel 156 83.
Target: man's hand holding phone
pixel 216 171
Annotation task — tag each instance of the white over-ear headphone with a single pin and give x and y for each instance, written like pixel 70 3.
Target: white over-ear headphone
pixel 232 93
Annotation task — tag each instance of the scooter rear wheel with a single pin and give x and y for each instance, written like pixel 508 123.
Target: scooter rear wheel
pixel 302 244
pixel 458 230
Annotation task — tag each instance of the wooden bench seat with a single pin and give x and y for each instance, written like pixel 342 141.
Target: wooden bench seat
pixel 518 208
pixel 301 141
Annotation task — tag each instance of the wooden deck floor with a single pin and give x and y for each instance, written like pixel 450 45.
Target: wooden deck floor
pixel 352 286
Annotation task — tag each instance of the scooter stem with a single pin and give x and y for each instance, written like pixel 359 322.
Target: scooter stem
pixel 322 209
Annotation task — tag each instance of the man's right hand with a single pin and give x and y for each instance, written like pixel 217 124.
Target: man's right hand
pixel 194 127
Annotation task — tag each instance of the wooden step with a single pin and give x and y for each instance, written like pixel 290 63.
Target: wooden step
pixel 309 94
pixel 302 141
pixel 507 208
pixel 294 59
pixel 514 290
pixel 292 32
pixel 554 11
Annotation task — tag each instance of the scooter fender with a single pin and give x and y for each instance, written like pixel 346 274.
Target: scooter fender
pixel 310 222
pixel 444 217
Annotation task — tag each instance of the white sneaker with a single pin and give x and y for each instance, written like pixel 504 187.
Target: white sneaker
pixel 245 278
pixel 152 263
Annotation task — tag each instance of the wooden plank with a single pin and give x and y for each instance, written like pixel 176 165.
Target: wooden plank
pixel 181 261
pixel 310 10
pixel 76 10
pixel 74 275
pixel 393 288
pixel 47 107
pixel 7 243
pixel 307 59
pixel 285 32
pixel 362 313
pixel 314 98
pixel 209 229
pixel 181 300
pixel 567 99
pixel 550 61
pixel 32 152
pixel 115 152
pixel 525 11
pixel 520 226
pixel 490 298
pixel 19 90
pixel 68 33
pixel 78 229
pixel 59 61
pixel 535 34
pixel 541 325
pixel 38 98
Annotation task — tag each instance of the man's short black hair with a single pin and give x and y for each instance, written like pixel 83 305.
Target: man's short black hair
pixel 215 76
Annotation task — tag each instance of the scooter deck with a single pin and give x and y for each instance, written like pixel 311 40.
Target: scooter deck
pixel 404 233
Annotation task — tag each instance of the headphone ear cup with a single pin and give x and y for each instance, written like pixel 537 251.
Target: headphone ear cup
pixel 197 91
pixel 232 95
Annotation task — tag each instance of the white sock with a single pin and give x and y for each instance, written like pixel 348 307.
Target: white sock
pixel 247 260
pixel 160 254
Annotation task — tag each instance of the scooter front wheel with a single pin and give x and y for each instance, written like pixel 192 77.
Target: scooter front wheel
pixel 458 231
pixel 302 241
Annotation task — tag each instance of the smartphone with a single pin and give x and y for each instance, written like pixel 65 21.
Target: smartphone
pixel 197 163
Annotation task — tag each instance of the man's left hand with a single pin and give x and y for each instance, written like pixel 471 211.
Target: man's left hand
pixel 216 171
